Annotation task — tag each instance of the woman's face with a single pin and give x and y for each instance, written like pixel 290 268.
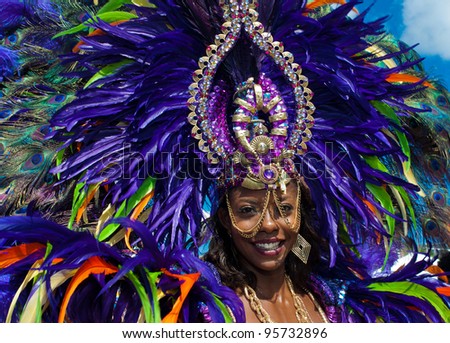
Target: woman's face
pixel 267 250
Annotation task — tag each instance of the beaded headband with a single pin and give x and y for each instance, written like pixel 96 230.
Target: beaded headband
pixel 258 152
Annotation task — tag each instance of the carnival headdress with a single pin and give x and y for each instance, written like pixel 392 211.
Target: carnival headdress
pixel 252 153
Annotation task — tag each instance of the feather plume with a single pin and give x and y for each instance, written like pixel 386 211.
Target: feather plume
pixel 86 263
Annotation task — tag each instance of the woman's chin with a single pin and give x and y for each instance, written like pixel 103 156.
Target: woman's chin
pixel 271 259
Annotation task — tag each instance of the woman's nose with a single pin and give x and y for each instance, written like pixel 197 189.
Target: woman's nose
pixel 269 224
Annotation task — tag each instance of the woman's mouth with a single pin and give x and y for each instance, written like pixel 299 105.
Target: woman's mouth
pixel 269 248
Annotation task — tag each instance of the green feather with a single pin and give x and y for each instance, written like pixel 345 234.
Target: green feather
pixel 408 203
pixel 113 5
pixel 152 278
pixel 385 200
pixel 414 290
pixel 58 160
pixel 127 206
pixel 389 112
pixel 48 250
pixel 226 313
pixel 375 163
pixel 108 17
pixel 140 289
pixel 111 228
pixel 108 70
pixel 79 194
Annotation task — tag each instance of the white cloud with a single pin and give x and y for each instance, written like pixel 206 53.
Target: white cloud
pixel 428 23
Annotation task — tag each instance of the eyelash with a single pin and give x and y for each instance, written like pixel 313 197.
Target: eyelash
pixel 286 207
pixel 248 209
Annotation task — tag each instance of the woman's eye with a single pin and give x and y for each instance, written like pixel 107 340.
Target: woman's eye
pixel 286 208
pixel 247 210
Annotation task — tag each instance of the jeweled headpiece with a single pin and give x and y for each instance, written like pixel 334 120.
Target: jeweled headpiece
pixel 264 136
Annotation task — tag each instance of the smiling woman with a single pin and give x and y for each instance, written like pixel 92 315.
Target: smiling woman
pixel 264 249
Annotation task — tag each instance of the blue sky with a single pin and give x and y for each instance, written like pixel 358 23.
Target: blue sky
pixel 426 22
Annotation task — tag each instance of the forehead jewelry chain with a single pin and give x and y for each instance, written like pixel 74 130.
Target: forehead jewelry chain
pixel 296 226
pixel 254 230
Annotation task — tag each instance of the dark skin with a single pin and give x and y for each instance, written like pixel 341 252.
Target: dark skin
pixel 265 253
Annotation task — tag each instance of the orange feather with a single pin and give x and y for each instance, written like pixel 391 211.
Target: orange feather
pixel 371 207
pixel 317 3
pixel 140 207
pixel 94 265
pixel 127 240
pixel 12 255
pixel 96 32
pixel 397 77
pixel 188 281
pixel 444 291
pixel 438 270
pixel 85 204
pixel 135 214
pixel 57 260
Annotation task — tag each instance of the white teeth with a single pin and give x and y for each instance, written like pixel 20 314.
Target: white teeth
pixel 268 246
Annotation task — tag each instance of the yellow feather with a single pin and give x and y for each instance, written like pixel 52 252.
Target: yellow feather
pixel 117 237
pixel 379 52
pixel 32 273
pixel 106 215
pixel 412 179
pixel 402 207
pixel 40 297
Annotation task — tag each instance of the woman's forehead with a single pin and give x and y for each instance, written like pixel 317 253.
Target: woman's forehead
pixel 242 192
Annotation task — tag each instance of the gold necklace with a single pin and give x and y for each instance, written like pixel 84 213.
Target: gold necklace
pixel 301 312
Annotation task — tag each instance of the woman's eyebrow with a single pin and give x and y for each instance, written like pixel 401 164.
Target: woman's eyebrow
pixel 287 197
pixel 249 200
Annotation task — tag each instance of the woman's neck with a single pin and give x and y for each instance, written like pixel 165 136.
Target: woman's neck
pixel 269 285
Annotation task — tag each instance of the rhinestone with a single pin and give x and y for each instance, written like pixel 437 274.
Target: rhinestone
pixel 269 174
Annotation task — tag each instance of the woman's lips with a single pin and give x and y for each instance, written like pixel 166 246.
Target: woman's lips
pixel 269 247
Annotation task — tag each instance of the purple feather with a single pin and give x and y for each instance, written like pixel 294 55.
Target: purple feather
pixel 12 14
pixel 9 62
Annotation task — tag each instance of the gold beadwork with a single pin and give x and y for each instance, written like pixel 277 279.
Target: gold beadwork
pixel 259 97
pixel 271 104
pixel 279 132
pixel 301 313
pixel 262 144
pixel 296 226
pixel 278 116
pixel 254 230
pixel 246 105
pixel 242 118
pixel 243 17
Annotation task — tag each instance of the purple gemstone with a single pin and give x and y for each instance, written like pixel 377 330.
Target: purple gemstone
pixel 269 174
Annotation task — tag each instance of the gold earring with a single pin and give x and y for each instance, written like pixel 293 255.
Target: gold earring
pixel 301 249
